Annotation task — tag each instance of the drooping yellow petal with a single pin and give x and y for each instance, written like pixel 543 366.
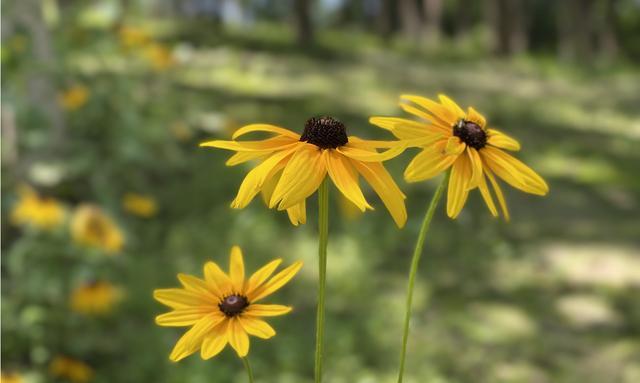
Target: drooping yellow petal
pixel 182 317
pixel 417 112
pixel 301 177
pixel 346 179
pixel 198 285
pixel 371 156
pixel 513 171
pixel 265 128
pixel 191 341
pixel 269 145
pixel 236 269
pixel 474 116
pixel 181 298
pixel 215 342
pixel 486 195
pixel 238 338
pixel 259 310
pixel 476 167
pixel 454 146
pixel 429 163
pixel 256 327
pixel 242 157
pixel 261 275
pixel 256 178
pixel 382 183
pixel 438 111
pixel 458 190
pixel 501 140
pixel 298 213
pixel 214 275
pixel 275 283
pixel 452 106
pixel 405 129
pixel 499 195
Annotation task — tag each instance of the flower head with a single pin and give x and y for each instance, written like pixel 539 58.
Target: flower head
pixel 159 56
pixel 10 377
pixel 222 308
pixel 95 298
pixel 90 226
pixel 133 37
pixel 451 137
pixel 293 166
pixel 36 211
pixel 141 205
pixel 74 370
pixel 74 98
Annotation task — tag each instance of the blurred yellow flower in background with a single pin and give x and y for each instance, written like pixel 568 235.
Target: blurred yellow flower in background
pixel 90 226
pixel 453 138
pixel 36 211
pixel 74 98
pixel 222 308
pixel 181 131
pixel 95 298
pixel 10 377
pixel 141 205
pixel 159 56
pixel 133 37
pixel 73 370
pixel 293 167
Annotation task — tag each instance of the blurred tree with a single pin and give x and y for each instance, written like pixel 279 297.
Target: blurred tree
pixel 386 18
pixel 432 20
pixel 607 39
pixel 507 22
pixel 409 18
pixel 302 21
pixel 575 29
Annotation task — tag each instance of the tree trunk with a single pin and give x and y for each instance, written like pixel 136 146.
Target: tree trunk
pixel 410 18
pixel 507 21
pixel 575 33
pixel 607 40
pixel 302 20
pixel 386 18
pixel 433 20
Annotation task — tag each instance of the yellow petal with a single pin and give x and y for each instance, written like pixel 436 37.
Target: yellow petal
pixel 259 310
pixel 458 186
pixel 486 195
pixel 181 298
pixel 501 140
pixel 268 145
pixel 218 278
pixel 382 183
pixel 514 172
pixel 191 341
pixel 236 269
pixel 264 128
pixel 256 327
pixel 256 178
pixel 454 146
pixel 372 145
pixel 301 177
pixel 417 112
pixel 298 213
pixel 199 286
pixel 438 111
pixel 242 157
pixel 405 129
pixel 261 275
pixel 182 317
pixel 275 283
pixel 428 163
pixel 371 156
pixel 499 195
pixel 476 167
pixel 215 342
pixel 452 106
pixel 346 179
pixel 474 116
pixel 238 338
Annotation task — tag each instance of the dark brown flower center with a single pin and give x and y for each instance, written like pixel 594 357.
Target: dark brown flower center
pixel 324 132
pixel 470 133
pixel 233 305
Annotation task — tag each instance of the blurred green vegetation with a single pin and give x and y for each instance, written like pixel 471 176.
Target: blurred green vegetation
pixel 548 297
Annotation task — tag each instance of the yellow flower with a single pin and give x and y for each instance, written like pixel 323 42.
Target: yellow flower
pixel 222 308
pixel 10 377
pixel 451 137
pixel 159 56
pixel 293 167
pixel 74 98
pixel 36 211
pixel 133 37
pixel 141 205
pixel 90 226
pixel 95 298
pixel 67 368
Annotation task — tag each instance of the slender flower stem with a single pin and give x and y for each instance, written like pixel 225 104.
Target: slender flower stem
pixel 417 252
pixel 247 367
pixel 323 236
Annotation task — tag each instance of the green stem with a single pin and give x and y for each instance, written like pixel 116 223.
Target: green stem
pixel 247 367
pixel 323 234
pixel 415 261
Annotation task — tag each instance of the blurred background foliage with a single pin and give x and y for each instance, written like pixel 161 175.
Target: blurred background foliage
pixel 106 196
